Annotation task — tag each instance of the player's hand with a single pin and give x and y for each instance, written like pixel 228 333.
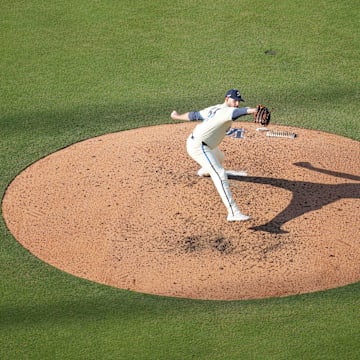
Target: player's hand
pixel 174 115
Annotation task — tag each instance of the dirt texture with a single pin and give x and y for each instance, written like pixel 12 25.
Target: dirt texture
pixel 128 210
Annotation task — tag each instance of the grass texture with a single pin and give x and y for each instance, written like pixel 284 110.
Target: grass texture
pixel 72 70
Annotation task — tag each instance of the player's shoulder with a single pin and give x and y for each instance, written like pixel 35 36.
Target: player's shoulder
pixel 213 107
pixel 225 113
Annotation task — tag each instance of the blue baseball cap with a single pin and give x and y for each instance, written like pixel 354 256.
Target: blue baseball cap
pixel 234 94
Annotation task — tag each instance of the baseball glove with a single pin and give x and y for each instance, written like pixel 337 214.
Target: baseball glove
pixel 262 115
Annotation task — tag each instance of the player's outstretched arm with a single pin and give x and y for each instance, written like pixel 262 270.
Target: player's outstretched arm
pixel 176 116
pixel 238 112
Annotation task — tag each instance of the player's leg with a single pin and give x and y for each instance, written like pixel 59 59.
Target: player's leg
pixel 208 160
pixel 219 155
pixel 218 175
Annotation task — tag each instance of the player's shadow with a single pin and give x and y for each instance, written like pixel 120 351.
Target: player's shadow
pixel 307 196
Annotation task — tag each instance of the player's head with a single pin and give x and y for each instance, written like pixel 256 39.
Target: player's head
pixel 233 98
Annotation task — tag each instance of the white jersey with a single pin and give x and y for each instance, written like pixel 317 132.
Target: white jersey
pixel 217 121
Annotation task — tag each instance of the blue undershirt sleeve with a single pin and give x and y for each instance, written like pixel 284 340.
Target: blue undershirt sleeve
pixel 239 112
pixel 195 115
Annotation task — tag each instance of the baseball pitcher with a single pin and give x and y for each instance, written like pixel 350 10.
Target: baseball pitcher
pixel 202 144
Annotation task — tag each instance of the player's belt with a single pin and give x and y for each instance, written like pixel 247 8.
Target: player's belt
pixel 203 143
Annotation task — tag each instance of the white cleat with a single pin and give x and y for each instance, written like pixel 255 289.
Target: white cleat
pixel 236 173
pixel 238 217
pixel 202 173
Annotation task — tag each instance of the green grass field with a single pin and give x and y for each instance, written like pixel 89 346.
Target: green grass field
pixel 72 70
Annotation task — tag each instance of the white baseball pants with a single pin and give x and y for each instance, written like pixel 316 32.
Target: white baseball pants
pixel 210 161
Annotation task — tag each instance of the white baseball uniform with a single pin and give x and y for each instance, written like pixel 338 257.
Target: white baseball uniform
pixel 202 146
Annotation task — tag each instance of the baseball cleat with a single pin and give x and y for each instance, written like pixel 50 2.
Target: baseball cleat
pixel 203 173
pixel 236 173
pixel 238 217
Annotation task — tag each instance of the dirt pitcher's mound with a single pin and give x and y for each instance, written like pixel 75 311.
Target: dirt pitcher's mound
pixel 128 210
